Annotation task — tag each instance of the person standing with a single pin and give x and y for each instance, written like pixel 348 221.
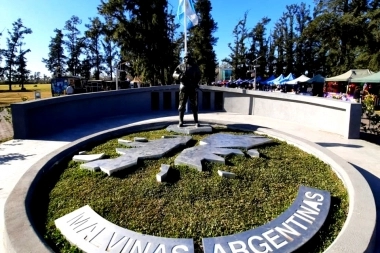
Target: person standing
pixel 357 94
pixel 189 75
pixel 365 91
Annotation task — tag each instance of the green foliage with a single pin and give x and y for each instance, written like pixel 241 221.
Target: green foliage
pixel 144 31
pixel 201 41
pixel 368 108
pixel 94 36
pixel 55 62
pixel 74 45
pixel 196 204
pixel 14 55
pixel 238 55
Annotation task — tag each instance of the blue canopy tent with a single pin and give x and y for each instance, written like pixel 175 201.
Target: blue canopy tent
pixel 290 77
pixel 277 80
pixel 239 82
pixel 272 77
pixel 258 79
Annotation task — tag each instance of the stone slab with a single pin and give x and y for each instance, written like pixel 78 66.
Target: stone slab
pixel 293 228
pixel 190 129
pixel 215 145
pixel 93 234
pixel 226 174
pixel 164 170
pixel 87 158
pixel 246 142
pixel 193 157
pixel 140 139
pixel 253 153
pixel 139 150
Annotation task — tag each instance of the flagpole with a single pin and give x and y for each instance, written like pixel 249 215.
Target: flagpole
pixel 185 25
pixel 185 37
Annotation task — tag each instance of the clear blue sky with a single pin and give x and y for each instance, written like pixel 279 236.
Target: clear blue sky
pixel 43 16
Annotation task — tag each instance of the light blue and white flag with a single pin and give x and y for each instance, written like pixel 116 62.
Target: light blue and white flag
pixel 191 16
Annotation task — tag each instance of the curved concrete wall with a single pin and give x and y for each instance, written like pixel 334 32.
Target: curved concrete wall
pixel 40 117
pixel 357 235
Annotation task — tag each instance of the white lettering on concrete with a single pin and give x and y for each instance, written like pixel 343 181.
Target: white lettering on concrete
pixel 90 232
pixel 302 218
pixel 285 234
pixel 102 238
pixel 183 247
pixel 272 239
pixel 118 243
pixel 287 230
pixel 306 211
pixel 264 245
pixel 78 220
pixel 218 248
pixel 137 248
pixel 291 220
pixel 242 248
pixel 313 204
pixel 320 199
pixel 160 249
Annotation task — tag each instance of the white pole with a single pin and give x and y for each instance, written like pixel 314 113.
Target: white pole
pixel 185 25
pixel 254 80
pixel 185 38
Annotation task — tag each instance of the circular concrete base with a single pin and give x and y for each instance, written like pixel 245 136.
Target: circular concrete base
pixel 357 234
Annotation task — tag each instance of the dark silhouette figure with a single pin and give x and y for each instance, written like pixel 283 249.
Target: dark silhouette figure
pixel 189 75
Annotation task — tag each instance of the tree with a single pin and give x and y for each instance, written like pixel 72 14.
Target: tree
pixel 238 58
pixel 201 41
pixel 142 32
pixel 109 47
pixel 14 42
pixel 369 52
pixel 94 35
pixel 74 44
pixel 21 72
pixel 304 50
pixel 55 62
pixel 340 30
pixel 259 46
pixel 37 77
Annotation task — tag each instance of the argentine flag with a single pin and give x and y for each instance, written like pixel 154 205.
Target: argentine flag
pixel 191 16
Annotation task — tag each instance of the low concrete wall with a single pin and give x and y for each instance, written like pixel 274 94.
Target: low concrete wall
pixel 328 115
pixel 40 117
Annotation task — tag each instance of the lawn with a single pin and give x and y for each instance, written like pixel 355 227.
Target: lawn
pixel 196 204
pixel 17 95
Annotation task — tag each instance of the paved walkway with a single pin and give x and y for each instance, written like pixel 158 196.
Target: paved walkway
pixel 16 156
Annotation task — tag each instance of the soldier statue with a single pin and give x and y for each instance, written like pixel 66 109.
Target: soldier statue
pixel 189 75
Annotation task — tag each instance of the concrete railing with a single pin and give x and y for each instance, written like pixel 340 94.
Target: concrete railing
pixel 40 117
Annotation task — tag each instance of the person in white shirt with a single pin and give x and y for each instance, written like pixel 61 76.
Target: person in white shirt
pixel 69 90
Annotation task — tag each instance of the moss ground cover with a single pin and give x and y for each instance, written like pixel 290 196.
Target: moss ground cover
pixel 196 204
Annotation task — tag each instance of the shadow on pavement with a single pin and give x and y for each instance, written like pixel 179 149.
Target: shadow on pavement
pixel 11 157
pixel 328 144
pixel 374 183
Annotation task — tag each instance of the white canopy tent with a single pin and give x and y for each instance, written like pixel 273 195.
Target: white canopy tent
pixel 352 73
pixel 301 78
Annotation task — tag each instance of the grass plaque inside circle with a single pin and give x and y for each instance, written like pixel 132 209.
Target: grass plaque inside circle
pixel 194 204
